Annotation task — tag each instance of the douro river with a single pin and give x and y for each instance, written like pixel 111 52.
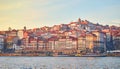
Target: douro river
pixel 59 62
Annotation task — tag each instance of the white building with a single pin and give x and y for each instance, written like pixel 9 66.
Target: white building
pixel 20 34
pixel 101 39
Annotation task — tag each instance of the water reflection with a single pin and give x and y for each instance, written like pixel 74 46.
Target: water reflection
pixel 59 63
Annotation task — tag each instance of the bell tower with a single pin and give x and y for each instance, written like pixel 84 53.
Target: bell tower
pixel 79 20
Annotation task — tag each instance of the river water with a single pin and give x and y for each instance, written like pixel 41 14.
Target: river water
pixel 59 62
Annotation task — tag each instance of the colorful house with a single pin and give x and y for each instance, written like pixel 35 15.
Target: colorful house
pixel 100 41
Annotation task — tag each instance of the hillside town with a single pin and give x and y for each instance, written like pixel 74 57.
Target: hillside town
pixel 75 38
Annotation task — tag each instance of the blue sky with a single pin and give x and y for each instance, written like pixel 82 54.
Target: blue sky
pixel 38 13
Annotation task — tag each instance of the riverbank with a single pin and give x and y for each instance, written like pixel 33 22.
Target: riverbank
pixel 44 55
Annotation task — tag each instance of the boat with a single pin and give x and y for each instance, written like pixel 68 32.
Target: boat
pixel 61 56
pixel 91 55
pixel 78 55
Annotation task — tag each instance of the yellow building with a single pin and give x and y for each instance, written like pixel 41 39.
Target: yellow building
pixel 90 41
pixel 86 42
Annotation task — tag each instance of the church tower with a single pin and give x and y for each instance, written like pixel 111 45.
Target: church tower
pixel 24 28
pixel 79 20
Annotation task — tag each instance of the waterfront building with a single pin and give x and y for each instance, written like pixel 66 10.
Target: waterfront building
pixel 42 44
pixel 82 42
pixel 100 41
pixel 51 42
pixel 2 37
pixel 32 43
pixel 109 40
pixel 60 45
pixel 71 42
pixel 20 34
pixel 66 44
pixel 16 42
pixel 25 39
pixel 90 42
pixel 116 40
pixel 25 34
pixel 10 44
pixel 9 41
pixel 86 42
pixel 25 42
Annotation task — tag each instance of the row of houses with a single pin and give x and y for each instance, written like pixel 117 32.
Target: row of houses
pixel 82 36
pixel 85 42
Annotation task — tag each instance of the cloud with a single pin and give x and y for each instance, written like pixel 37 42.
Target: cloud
pixel 36 13
pixel 10 7
pixel 117 21
pixel 5 6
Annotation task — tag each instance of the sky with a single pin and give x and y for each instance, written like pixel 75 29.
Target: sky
pixel 38 13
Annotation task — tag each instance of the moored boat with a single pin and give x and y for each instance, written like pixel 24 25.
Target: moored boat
pixel 91 55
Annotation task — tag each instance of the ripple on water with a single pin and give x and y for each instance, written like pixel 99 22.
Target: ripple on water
pixel 59 63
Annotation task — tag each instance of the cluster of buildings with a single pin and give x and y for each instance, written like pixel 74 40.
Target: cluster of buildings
pixel 81 36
